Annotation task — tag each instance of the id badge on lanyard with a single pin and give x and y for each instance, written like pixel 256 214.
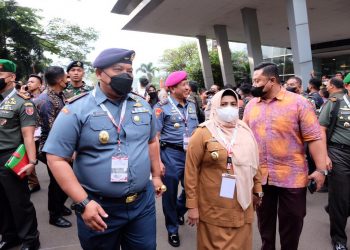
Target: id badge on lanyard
pixel 120 167
pixel 186 139
pixel 228 185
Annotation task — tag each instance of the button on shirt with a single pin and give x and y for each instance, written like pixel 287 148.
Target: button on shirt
pixel 77 128
pixel 170 124
pixel 281 127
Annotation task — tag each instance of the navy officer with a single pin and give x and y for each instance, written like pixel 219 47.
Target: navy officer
pixel 112 133
pixel 176 120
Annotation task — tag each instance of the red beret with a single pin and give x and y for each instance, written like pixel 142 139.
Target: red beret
pixel 175 78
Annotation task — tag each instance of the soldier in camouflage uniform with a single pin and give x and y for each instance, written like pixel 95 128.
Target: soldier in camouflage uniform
pixel 76 86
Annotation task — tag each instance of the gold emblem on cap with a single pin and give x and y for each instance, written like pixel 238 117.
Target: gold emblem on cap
pixel 214 155
pixel 176 125
pixel 79 64
pixel 346 124
pixel 103 137
pixel 132 57
pixel 136 118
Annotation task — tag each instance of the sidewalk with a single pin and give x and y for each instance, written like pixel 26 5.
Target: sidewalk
pixel 315 234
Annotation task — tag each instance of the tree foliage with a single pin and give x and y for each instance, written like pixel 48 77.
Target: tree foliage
pixel 186 57
pixel 149 69
pixel 24 39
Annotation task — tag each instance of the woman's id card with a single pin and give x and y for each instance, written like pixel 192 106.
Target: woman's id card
pixel 228 185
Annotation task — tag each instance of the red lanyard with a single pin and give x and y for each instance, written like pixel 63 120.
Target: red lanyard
pixel 229 147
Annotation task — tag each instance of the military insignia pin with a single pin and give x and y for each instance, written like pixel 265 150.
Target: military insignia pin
pixel 214 155
pixel 136 118
pixel 103 137
pixel 176 125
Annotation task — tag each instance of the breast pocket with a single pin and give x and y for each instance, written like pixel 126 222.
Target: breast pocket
pixel 102 130
pixel 6 118
pixel 215 152
pixel 140 119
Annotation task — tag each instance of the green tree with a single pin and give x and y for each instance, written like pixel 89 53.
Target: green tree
pixel 149 69
pixel 186 57
pixel 24 40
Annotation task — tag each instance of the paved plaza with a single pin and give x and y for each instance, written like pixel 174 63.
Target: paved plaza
pixel 315 234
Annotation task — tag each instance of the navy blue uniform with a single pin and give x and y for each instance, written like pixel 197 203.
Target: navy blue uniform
pixel 79 128
pixel 172 127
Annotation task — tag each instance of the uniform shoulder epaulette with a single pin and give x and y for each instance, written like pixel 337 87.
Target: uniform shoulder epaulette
pixel 136 94
pixel 333 99
pixel 23 96
pixel 74 98
pixel 163 102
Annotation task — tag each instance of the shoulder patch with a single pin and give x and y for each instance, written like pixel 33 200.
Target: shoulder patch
pixel 333 99
pixel 163 102
pixel 74 98
pixel 23 96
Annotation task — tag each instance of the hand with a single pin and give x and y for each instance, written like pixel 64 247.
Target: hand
pixel 318 177
pixel 256 201
pixel 192 216
pixel 162 168
pixel 27 168
pixel 157 183
pixel 329 163
pixel 93 215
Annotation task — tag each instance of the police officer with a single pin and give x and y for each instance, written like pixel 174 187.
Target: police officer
pixel 176 120
pixel 113 134
pixel 76 86
pixel 18 221
pixel 338 159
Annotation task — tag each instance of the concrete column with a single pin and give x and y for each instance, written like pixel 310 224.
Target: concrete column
pixel 251 30
pixel 224 54
pixel 300 39
pixel 205 61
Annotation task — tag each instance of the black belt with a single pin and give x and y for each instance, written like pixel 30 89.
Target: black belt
pixel 338 145
pixel 178 147
pixel 122 200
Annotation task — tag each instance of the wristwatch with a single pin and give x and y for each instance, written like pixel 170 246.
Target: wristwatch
pixel 324 172
pixel 34 162
pixel 80 207
pixel 259 194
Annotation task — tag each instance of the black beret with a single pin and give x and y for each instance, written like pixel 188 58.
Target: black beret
pixel 75 64
pixel 111 56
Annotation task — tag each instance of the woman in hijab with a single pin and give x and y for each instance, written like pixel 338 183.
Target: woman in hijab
pixel 153 95
pixel 222 178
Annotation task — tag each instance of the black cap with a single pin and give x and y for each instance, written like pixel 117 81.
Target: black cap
pixel 75 64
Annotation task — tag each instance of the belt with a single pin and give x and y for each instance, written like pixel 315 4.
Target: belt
pixel 129 198
pixel 338 145
pixel 178 147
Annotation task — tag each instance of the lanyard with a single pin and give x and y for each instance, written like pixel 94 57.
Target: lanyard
pixel 8 97
pixel 346 100
pixel 110 116
pixel 184 118
pixel 229 146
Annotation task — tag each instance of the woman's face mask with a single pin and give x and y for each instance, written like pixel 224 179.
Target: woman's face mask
pixel 228 113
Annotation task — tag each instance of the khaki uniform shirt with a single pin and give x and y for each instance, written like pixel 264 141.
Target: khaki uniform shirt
pixel 341 132
pixel 15 113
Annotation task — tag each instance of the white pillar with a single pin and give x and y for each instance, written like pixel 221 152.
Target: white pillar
pixel 251 30
pixel 224 54
pixel 300 39
pixel 205 61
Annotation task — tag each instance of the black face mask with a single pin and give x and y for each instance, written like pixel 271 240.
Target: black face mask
pixel 258 91
pixel 121 84
pixel 292 89
pixel 308 90
pixel 2 83
pixel 153 95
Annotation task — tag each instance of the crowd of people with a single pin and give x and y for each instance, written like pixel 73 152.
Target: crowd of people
pixel 234 150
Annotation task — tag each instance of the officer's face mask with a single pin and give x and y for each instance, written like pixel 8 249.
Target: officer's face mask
pixel 292 89
pixel 3 83
pixel 121 84
pixel 227 114
pixel 153 95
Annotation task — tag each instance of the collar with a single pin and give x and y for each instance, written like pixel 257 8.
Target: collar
pixel 280 95
pixel 337 94
pixel 100 97
pixel 6 93
pixel 52 92
pixel 177 104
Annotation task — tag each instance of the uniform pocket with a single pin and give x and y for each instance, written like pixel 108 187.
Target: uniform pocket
pixel 98 123
pixel 141 118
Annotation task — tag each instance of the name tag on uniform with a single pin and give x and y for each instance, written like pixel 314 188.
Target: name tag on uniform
pixel 186 140
pixel 228 185
pixel 119 168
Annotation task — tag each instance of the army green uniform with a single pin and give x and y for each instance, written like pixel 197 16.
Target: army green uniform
pixel 71 91
pixel 17 213
pixel 339 153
